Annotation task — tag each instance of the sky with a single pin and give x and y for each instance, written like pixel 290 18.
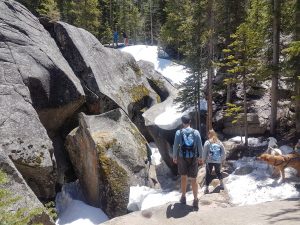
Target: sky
pixel 255 187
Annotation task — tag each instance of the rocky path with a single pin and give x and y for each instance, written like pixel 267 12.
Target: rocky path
pixel 214 208
pixel 285 212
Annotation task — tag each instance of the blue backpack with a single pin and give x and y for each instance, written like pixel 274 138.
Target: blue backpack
pixel 214 152
pixel 187 142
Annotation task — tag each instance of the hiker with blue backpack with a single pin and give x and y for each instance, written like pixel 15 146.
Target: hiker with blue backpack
pixel 187 153
pixel 115 37
pixel 213 156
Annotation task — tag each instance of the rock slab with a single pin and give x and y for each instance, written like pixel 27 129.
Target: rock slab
pixel 108 154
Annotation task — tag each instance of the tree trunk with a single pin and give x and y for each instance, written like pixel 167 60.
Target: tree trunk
pixel 245 94
pixel 245 110
pixel 297 72
pixel 110 16
pixel 228 93
pixel 275 65
pixel 210 68
pixel 198 100
pixel 151 23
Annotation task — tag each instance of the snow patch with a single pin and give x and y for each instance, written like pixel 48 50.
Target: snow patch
pixel 79 213
pixel 170 118
pixel 253 142
pixel 258 186
pixel 155 156
pixel 142 197
pixel 286 149
pixel 72 210
pixel 171 70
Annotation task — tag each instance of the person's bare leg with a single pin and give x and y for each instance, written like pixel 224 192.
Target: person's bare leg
pixel 183 184
pixel 195 193
pixel 194 187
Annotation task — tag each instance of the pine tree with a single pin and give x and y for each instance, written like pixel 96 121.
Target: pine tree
pixel 292 53
pixel 83 13
pixel 151 13
pixel 210 72
pixel 193 49
pixel 230 14
pixel 243 62
pixel 297 68
pixel 275 64
pixel 46 8
pixel 177 13
pixel 49 9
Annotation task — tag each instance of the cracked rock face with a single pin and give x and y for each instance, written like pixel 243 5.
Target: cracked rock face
pixel 15 186
pixel 38 90
pixel 110 78
pixel 25 45
pixel 108 153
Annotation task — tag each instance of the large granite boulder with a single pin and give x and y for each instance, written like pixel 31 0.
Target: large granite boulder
pixel 23 137
pixel 29 55
pixel 254 126
pixel 110 78
pixel 158 82
pixel 15 187
pixel 108 154
pixel 162 119
pixel 37 89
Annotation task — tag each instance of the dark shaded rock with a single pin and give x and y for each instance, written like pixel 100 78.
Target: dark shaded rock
pixel 156 80
pixel 164 141
pixel 233 150
pixel 25 140
pixel 110 78
pixel 33 76
pixel 54 89
pixel 243 170
pixel 108 154
pixel 16 187
pixel 235 129
pixel 163 138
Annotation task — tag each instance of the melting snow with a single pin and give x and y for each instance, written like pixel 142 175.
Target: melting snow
pixel 258 186
pixel 73 211
pixel 253 142
pixel 252 188
pixel 173 71
pixel 155 157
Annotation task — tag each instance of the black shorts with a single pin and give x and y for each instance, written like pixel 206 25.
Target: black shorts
pixel 188 166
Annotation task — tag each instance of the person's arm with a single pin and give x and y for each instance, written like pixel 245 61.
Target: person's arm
pixel 176 146
pixel 199 146
pixel 205 150
pixel 223 154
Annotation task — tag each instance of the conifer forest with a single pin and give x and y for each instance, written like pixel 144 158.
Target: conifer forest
pixel 240 42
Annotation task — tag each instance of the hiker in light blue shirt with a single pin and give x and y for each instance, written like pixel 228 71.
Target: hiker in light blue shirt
pixel 187 153
pixel 213 155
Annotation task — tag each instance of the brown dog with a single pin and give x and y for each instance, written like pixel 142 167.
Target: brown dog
pixel 280 162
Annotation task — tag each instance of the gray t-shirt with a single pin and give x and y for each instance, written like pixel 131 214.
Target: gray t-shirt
pixel 206 156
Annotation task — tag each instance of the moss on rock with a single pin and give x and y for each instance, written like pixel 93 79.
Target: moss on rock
pixel 138 92
pixel 115 180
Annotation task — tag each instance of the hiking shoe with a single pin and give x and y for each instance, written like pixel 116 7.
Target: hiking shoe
pixel 183 200
pixel 206 191
pixel 196 203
